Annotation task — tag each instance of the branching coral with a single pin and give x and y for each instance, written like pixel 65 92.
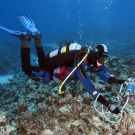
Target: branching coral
pixel 123 126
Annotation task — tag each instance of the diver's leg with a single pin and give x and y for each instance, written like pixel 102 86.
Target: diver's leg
pixel 25 53
pixel 40 51
pixel 28 23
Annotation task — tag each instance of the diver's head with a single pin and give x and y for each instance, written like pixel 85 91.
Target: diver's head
pixel 101 52
pixel 98 57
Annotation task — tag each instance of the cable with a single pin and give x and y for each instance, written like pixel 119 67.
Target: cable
pixel 103 113
pixel 118 96
pixel 113 122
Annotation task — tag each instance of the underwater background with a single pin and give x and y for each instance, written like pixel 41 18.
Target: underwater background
pixel 111 22
pixel 84 21
pixel 31 108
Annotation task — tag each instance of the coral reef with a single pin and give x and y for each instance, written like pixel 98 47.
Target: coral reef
pixel 5 129
pixel 32 108
pixel 9 58
pixel 127 125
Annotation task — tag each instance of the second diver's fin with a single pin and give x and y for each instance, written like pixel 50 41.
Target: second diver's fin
pixel 12 32
pixel 28 23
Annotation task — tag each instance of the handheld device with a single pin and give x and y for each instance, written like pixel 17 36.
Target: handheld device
pixel 127 96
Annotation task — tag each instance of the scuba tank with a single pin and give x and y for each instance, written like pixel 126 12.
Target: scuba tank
pixel 64 56
pixel 70 46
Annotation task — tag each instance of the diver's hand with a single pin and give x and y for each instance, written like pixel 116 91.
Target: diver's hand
pixel 114 109
pixel 113 79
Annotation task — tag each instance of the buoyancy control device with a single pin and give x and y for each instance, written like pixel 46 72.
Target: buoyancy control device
pixel 64 56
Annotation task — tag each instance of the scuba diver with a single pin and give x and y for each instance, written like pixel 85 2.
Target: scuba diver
pixel 58 64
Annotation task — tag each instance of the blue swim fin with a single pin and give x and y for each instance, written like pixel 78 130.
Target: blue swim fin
pixel 12 32
pixel 28 23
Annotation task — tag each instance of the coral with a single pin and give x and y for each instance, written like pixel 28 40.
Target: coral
pixel 33 108
pixel 126 125
pixel 20 109
pixel 3 118
pixel 30 121
pixel 131 130
pixel 5 129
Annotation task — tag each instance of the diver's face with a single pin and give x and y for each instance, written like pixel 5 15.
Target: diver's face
pixel 102 60
pixel 98 64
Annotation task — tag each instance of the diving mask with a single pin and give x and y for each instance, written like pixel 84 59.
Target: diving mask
pixel 102 59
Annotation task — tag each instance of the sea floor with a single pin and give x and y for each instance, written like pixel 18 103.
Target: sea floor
pixel 5 79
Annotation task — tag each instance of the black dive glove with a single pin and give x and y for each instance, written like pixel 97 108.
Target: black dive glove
pixel 112 108
pixel 112 79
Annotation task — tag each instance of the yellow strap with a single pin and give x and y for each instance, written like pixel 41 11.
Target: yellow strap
pixel 63 49
pixel 60 91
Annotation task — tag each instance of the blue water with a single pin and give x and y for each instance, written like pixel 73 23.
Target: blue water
pixel 86 21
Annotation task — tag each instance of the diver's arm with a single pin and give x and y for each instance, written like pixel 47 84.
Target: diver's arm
pixel 105 76
pixel 86 81
pixel 112 108
pixel 94 93
pixel 112 79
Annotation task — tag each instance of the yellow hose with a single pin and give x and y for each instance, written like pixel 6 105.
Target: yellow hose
pixel 60 91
